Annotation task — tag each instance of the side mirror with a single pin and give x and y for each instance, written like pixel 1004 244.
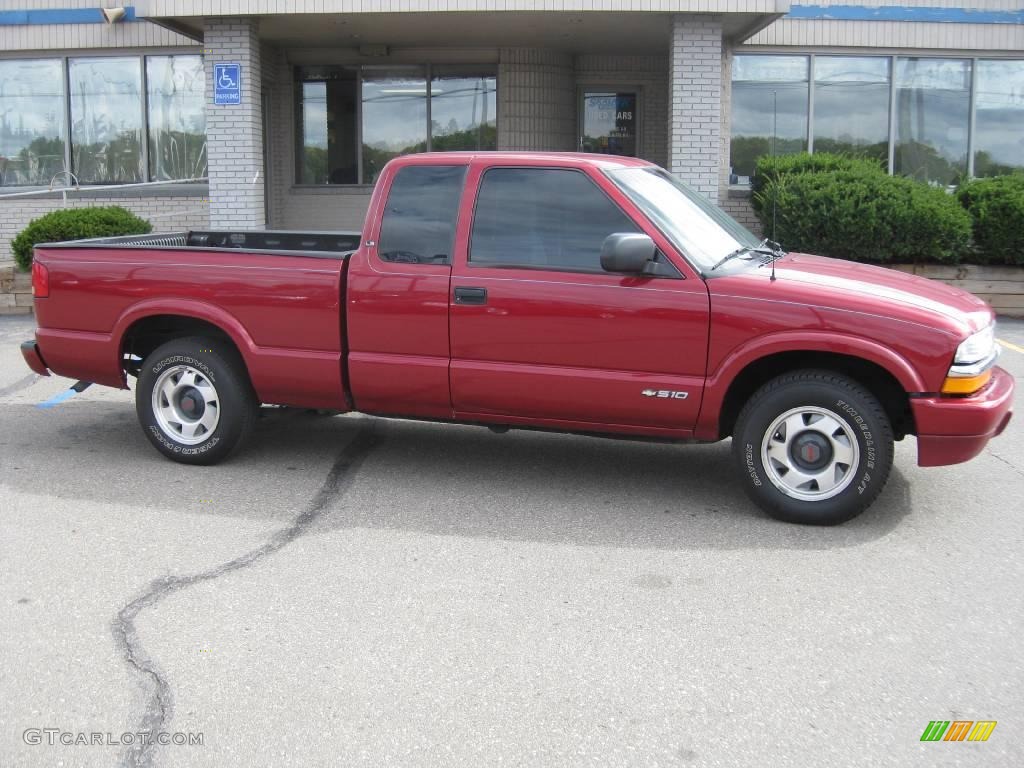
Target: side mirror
pixel 627 252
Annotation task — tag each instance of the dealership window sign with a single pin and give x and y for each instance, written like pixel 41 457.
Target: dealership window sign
pixel 227 83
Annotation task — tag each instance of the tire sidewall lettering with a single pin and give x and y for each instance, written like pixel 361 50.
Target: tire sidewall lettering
pixel 860 424
pixel 184 360
pixel 749 458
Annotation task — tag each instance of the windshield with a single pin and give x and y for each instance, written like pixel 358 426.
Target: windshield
pixel 701 230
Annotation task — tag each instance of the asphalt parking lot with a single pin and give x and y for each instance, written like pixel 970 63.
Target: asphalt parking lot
pixel 349 591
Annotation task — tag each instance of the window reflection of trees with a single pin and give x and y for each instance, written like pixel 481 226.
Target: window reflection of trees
pixel 851 95
pixel 106 130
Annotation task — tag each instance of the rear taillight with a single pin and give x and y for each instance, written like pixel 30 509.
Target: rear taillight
pixel 40 281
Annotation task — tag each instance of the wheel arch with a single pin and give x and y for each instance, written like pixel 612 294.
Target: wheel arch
pixel 144 328
pixel 886 375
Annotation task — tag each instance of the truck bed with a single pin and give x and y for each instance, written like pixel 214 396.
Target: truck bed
pixel 278 295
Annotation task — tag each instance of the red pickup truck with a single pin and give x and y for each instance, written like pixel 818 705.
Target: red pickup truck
pixel 581 293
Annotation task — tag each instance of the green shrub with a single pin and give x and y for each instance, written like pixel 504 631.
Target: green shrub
pixel 864 215
pixel 996 207
pixel 769 167
pixel 75 224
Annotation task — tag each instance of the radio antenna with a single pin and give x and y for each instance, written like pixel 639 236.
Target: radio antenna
pixel 775 192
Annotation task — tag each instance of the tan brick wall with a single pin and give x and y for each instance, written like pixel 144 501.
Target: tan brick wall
pixel 536 100
pixel 695 115
pixel 739 208
pixel 234 132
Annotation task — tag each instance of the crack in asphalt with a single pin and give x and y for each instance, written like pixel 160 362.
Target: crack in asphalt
pixel 1014 467
pixel 20 384
pixel 160 706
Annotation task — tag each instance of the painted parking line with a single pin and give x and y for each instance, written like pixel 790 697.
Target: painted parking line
pixel 1012 346
pixel 67 394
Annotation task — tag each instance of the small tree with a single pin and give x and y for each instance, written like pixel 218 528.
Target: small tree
pixel 75 224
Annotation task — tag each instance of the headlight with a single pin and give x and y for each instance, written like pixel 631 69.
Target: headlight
pixel 972 364
pixel 977 347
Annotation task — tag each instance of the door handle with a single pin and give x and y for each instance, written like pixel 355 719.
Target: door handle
pixel 470 295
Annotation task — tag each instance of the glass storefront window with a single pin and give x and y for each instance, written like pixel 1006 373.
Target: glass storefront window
pixel 394 116
pixel 851 105
pixel 329 128
pixel 106 120
pixel 177 118
pixel 763 86
pixel 932 116
pixel 999 118
pixel 388 108
pixel 31 121
pixel 463 109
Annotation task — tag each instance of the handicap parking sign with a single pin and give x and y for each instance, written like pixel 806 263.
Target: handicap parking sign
pixel 227 83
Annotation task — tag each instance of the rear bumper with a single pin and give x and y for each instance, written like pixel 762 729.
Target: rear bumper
pixel 951 430
pixel 30 351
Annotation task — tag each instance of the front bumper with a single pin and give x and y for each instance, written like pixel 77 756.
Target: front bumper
pixel 951 430
pixel 30 351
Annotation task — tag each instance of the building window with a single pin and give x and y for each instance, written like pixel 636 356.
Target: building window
pixel 176 117
pixel 851 105
pixel 106 120
pixel 345 139
pixel 767 91
pixel 933 109
pixel 394 116
pixel 464 109
pixel 927 133
pixel 107 123
pixel 32 128
pixel 329 126
pixel 998 118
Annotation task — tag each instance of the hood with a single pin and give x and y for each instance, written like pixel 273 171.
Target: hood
pixel 847 285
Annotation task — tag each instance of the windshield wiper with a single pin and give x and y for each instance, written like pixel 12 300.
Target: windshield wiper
pixel 766 248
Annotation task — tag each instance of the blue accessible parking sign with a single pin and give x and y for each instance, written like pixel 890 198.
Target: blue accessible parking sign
pixel 227 83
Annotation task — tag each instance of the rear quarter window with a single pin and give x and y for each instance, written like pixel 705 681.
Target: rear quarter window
pixel 418 225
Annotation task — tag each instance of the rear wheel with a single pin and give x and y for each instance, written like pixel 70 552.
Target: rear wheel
pixel 813 447
pixel 194 400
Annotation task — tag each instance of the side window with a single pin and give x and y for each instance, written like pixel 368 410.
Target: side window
pixel 418 226
pixel 543 218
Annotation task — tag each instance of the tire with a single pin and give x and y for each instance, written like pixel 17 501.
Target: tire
pixel 813 447
pixel 194 400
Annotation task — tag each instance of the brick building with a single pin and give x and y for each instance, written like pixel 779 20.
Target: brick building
pixel 316 95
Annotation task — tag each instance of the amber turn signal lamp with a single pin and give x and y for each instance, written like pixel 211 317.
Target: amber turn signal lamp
pixel 965 385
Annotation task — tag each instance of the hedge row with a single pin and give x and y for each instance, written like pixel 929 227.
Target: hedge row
pixel 75 224
pixel 996 207
pixel 850 208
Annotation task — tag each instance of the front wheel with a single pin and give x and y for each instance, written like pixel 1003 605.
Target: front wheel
pixel 194 400
pixel 813 447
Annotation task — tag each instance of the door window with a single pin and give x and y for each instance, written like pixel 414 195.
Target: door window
pixel 418 226
pixel 609 123
pixel 543 218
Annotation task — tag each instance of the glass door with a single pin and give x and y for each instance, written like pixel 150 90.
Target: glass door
pixel 609 121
